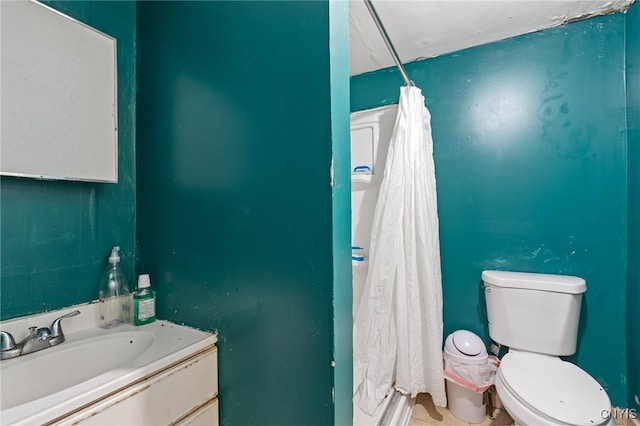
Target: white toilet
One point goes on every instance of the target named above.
(536, 316)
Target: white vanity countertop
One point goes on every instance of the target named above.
(170, 343)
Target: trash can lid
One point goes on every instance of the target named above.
(465, 346)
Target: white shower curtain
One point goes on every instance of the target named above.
(398, 326)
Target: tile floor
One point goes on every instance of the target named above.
(623, 418)
(425, 413)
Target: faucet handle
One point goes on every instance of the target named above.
(7, 341)
(57, 336)
(8, 347)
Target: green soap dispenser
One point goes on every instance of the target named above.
(144, 302)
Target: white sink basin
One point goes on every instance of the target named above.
(68, 364)
(93, 362)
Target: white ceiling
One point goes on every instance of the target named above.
(427, 28)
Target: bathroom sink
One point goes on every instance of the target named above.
(50, 371)
(93, 363)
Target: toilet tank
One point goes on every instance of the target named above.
(534, 312)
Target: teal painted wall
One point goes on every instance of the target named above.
(56, 236)
(234, 196)
(531, 161)
(633, 125)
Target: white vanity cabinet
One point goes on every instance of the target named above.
(183, 393)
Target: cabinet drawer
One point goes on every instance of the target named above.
(207, 415)
(162, 398)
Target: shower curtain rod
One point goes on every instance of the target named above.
(387, 41)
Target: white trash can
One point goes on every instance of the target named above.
(466, 348)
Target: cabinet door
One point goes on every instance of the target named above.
(161, 399)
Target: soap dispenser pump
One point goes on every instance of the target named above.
(114, 296)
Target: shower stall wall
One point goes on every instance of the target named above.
(371, 132)
(370, 135)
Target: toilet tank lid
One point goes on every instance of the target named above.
(527, 280)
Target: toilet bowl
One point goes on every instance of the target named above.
(545, 390)
(537, 316)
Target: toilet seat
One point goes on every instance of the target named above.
(554, 388)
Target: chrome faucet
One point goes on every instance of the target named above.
(38, 339)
